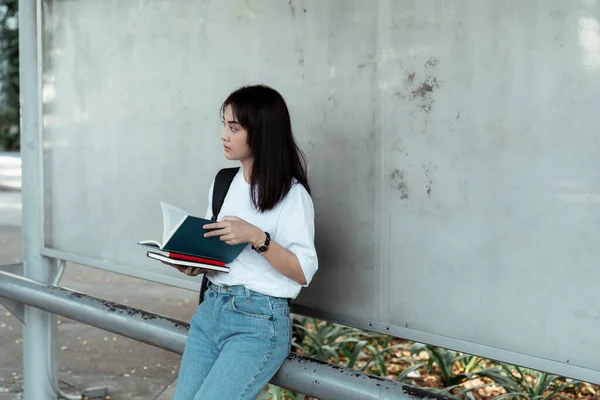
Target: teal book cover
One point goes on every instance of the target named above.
(184, 234)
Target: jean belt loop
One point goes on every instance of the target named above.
(248, 295)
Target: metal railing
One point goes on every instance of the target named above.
(298, 373)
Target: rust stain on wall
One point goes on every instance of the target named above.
(424, 93)
(397, 182)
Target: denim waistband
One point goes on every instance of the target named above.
(240, 290)
(236, 290)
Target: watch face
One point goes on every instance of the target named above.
(262, 249)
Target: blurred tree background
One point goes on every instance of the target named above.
(9, 76)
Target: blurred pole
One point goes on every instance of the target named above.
(40, 328)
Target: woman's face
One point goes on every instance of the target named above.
(234, 137)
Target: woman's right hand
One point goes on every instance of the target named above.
(190, 271)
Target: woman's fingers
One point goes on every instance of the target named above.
(194, 271)
(216, 225)
(224, 223)
(217, 232)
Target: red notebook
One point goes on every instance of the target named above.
(183, 263)
(185, 257)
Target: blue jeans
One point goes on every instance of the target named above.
(237, 341)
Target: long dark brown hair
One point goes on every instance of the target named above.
(262, 112)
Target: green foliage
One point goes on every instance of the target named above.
(9, 75)
(375, 353)
(522, 383)
(323, 341)
(345, 346)
(442, 363)
(277, 393)
(329, 342)
(379, 359)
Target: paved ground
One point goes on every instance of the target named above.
(89, 356)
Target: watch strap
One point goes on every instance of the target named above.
(265, 243)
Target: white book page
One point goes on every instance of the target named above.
(172, 218)
(151, 243)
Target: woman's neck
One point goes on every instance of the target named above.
(247, 169)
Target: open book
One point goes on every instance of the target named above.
(183, 241)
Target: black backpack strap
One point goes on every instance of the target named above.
(222, 183)
(221, 187)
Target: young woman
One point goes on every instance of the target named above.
(241, 333)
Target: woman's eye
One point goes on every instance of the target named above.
(233, 129)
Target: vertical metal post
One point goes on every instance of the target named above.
(39, 330)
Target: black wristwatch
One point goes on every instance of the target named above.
(262, 249)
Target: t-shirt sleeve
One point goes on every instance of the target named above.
(296, 229)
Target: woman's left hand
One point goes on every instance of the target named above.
(234, 230)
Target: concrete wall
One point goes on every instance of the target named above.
(453, 151)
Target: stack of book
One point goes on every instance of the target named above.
(186, 260)
(184, 244)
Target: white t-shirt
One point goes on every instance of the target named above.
(290, 224)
